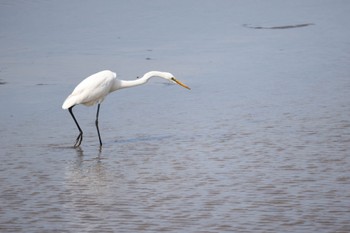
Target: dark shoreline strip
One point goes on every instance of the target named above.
(279, 27)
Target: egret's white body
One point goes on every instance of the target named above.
(96, 87)
(93, 89)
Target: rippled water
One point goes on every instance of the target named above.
(260, 144)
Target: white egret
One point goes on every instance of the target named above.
(93, 89)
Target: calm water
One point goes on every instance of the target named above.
(260, 144)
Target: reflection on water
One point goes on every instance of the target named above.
(255, 176)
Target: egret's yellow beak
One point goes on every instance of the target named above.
(180, 83)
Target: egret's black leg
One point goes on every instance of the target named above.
(96, 122)
(80, 136)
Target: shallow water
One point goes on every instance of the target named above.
(260, 144)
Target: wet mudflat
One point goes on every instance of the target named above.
(260, 144)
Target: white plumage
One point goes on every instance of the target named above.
(92, 90)
(96, 87)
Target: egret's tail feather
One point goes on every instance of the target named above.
(69, 102)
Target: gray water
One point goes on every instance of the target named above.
(260, 144)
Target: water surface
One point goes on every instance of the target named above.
(260, 143)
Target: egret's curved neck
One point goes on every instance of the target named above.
(140, 81)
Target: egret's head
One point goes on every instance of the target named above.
(171, 78)
(165, 75)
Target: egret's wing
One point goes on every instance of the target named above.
(91, 90)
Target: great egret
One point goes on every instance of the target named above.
(93, 89)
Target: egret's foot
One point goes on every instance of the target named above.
(79, 140)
